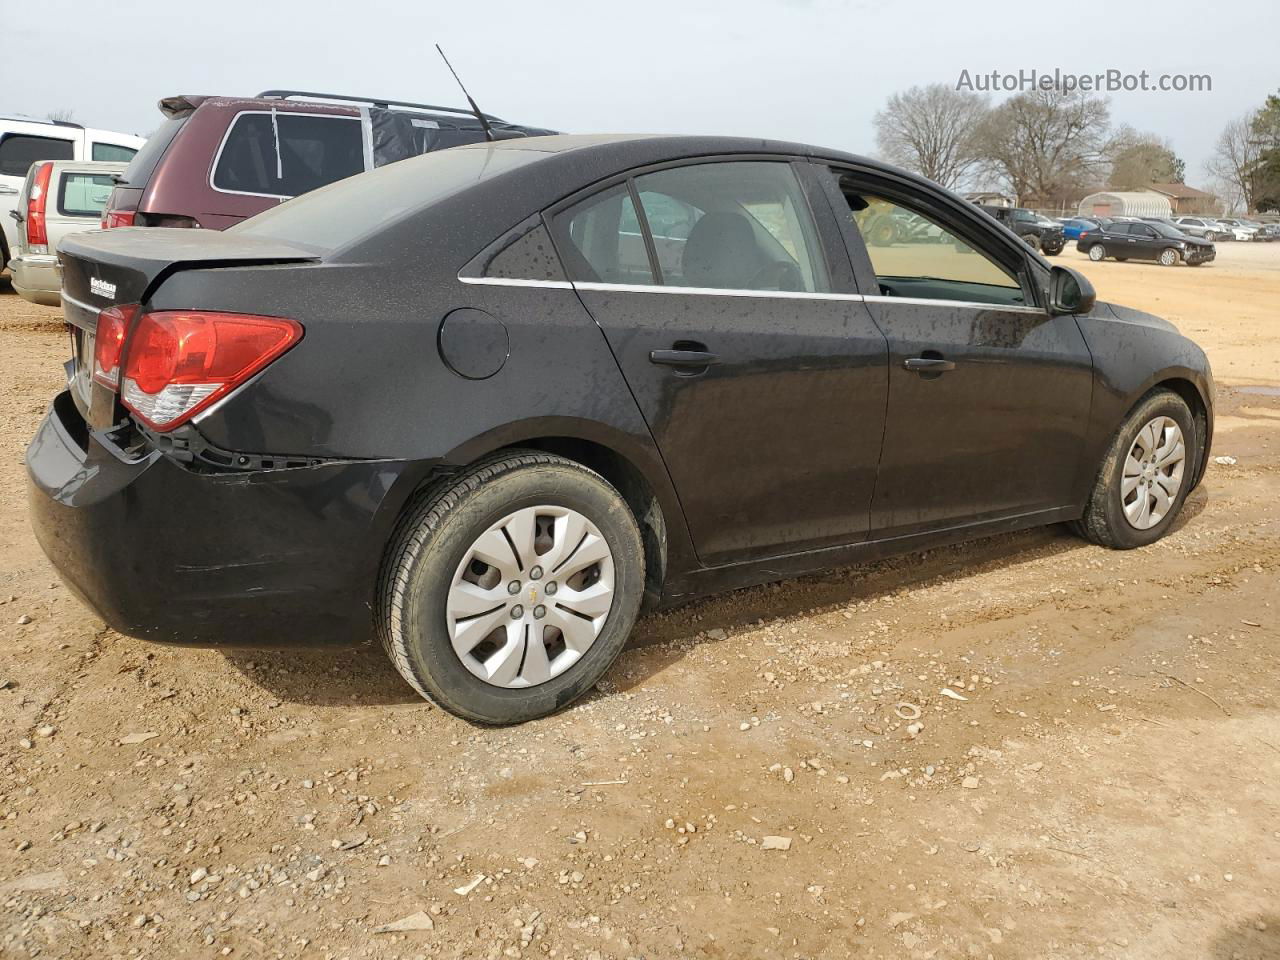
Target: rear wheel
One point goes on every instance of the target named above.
(1097, 252)
(508, 594)
(1145, 477)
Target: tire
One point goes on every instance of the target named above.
(1169, 257)
(1031, 240)
(1097, 252)
(1105, 521)
(435, 549)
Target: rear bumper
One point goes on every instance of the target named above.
(169, 553)
(35, 278)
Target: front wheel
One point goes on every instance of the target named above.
(1145, 477)
(1097, 252)
(1168, 257)
(507, 594)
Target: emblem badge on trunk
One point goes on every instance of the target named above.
(102, 289)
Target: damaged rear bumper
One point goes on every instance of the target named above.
(166, 552)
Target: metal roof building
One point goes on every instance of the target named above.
(1121, 203)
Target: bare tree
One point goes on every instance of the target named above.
(1235, 159)
(1140, 159)
(1046, 145)
(60, 115)
(929, 130)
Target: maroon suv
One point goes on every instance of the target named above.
(217, 160)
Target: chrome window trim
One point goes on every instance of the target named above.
(226, 135)
(716, 291)
(515, 282)
(760, 294)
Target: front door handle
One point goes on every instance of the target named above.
(928, 364)
(686, 359)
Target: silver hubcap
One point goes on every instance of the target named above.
(1152, 473)
(1096, 252)
(530, 597)
(1168, 258)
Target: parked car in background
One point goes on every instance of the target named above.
(1240, 229)
(215, 161)
(1205, 228)
(24, 140)
(1072, 227)
(451, 401)
(59, 197)
(1139, 240)
(1040, 233)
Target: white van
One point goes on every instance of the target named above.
(24, 140)
(59, 197)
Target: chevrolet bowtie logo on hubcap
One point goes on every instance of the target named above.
(533, 594)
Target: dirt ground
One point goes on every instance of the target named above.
(1105, 783)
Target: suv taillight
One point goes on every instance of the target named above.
(37, 235)
(108, 343)
(179, 362)
(117, 218)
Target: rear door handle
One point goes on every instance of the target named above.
(683, 358)
(929, 364)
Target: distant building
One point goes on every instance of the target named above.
(1184, 200)
(992, 199)
(1126, 203)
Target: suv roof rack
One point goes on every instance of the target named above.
(375, 101)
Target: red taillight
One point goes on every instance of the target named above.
(108, 344)
(179, 362)
(37, 235)
(117, 218)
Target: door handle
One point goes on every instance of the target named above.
(687, 359)
(929, 364)
(5, 188)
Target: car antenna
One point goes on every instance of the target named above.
(484, 121)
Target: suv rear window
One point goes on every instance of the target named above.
(144, 161)
(18, 151)
(112, 152)
(288, 154)
(341, 213)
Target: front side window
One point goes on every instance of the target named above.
(288, 154)
(913, 254)
(112, 152)
(84, 194)
(18, 151)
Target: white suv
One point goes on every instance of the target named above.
(24, 140)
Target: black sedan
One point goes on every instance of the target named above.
(491, 402)
(1145, 240)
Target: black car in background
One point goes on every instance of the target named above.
(1145, 240)
(1039, 233)
(489, 401)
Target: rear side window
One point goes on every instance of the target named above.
(606, 242)
(288, 154)
(112, 152)
(18, 152)
(83, 194)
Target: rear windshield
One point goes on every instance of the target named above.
(287, 154)
(144, 161)
(337, 215)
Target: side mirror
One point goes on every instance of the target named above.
(1070, 292)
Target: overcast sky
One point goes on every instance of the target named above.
(808, 70)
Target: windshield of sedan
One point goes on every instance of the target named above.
(338, 214)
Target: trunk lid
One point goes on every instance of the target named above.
(123, 266)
